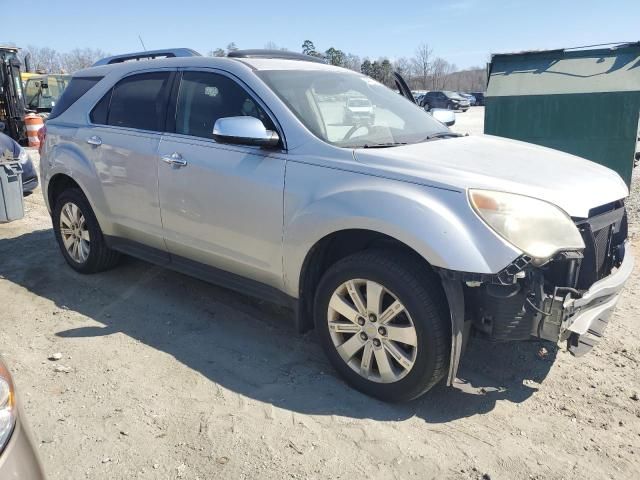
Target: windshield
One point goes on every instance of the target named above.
(324, 102)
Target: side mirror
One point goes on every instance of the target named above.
(448, 117)
(244, 131)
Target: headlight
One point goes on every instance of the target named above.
(7, 406)
(538, 228)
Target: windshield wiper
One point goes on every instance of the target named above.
(437, 135)
(383, 145)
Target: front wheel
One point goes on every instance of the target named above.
(383, 323)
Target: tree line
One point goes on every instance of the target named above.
(422, 71)
(48, 60)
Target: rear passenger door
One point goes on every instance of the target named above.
(125, 133)
(222, 206)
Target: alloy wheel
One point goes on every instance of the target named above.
(372, 331)
(74, 232)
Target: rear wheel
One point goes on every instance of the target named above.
(383, 324)
(79, 236)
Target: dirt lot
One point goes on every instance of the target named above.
(471, 121)
(169, 377)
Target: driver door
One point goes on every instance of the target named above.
(221, 204)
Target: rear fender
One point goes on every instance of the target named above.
(67, 159)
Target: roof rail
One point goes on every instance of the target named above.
(283, 54)
(148, 55)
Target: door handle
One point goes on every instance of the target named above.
(175, 160)
(94, 140)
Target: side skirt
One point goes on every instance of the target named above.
(203, 272)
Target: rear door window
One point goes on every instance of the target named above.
(76, 89)
(138, 101)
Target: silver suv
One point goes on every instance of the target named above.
(391, 236)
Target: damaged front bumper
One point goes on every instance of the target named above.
(567, 299)
(513, 306)
(581, 319)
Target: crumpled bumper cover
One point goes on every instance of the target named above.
(587, 316)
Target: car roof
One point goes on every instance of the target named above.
(211, 62)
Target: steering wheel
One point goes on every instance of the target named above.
(354, 129)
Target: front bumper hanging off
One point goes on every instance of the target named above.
(513, 306)
(584, 319)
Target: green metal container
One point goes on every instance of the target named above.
(581, 101)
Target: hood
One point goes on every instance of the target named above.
(574, 184)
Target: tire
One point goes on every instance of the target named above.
(92, 254)
(419, 291)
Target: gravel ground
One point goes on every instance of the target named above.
(163, 376)
(471, 121)
(633, 204)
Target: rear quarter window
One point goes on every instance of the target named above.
(100, 112)
(76, 89)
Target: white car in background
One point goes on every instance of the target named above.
(359, 110)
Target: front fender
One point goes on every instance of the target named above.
(437, 223)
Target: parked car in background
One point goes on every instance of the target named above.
(359, 110)
(18, 457)
(444, 99)
(393, 239)
(418, 95)
(479, 98)
(10, 148)
(468, 96)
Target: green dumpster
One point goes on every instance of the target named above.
(582, 101)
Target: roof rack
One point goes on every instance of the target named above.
(282, 54)
(148, 55)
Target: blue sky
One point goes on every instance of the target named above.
(464, 32)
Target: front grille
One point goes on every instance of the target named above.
(601, 240)
(604, 234)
